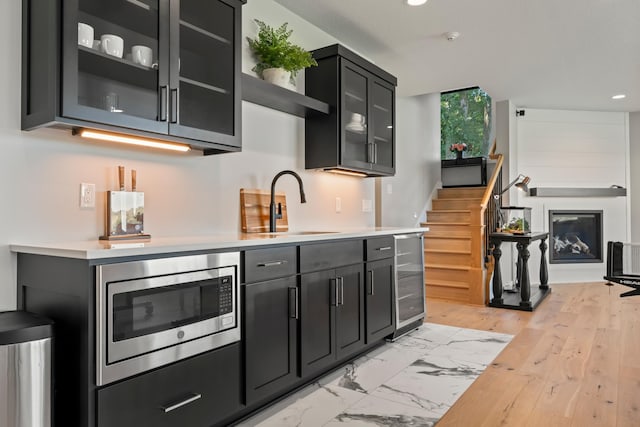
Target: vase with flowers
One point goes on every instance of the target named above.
(458, 148)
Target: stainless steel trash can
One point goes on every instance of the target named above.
(25, 370)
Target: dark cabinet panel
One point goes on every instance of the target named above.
(270, 263)
(322, 256)
(271, 336)
(380, 299)
(359, 133)
(332, 316)
(350, 310)
(200, 391)
(318, 299)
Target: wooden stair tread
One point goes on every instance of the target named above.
(446, 283)
(448, 267)
(435, 235)
(450, 210)
(448, 251)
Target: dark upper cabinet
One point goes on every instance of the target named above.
(187, 89)
(358, 135)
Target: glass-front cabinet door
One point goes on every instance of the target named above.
(356, 150)
(382, 125)
(115, 63)
(203, 90)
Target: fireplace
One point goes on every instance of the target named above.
(575, 236)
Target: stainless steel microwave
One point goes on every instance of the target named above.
(154, 312)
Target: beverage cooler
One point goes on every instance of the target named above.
(409, 282)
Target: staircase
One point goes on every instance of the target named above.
(454, 246)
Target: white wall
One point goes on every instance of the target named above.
(40, 171)
(403, 199)
(634, 160)
(574, 149)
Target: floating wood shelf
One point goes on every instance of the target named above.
(577, 192)
(260, 92)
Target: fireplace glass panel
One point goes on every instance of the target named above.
(576, 236)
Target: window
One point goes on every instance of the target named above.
(465, 117)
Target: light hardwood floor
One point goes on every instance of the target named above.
(575, 361)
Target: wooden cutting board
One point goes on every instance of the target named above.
(254, 211)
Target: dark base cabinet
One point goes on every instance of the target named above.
(380, 299)
(271, 337)
(201, 391)
(332, 317)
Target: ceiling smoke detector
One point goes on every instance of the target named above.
(451, 35)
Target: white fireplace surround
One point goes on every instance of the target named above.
(574, 149)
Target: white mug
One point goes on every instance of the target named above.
(85, 35)
(111, 45)
(142, 55)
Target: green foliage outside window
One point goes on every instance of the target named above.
(465, 117)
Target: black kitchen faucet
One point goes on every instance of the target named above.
(277, 213)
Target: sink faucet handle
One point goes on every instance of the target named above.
(279, 213)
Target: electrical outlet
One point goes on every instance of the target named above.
(338, 205)
(87, 195)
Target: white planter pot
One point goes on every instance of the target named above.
(277, 76)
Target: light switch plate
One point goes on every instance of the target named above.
(367, 205)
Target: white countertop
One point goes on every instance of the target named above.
(99, 249)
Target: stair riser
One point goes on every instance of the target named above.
(454, 204)
(455, 193)
(447, 258)
(449, 230)
(445, 274)
(454, 294)
(445, 243)
(442, 216)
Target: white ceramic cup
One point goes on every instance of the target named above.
(111, 45)
(85, 34)
(142, 55)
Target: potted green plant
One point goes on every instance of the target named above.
(279, 60)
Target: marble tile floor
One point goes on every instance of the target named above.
(410, 382)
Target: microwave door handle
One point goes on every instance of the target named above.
(171, 407)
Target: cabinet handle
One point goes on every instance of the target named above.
(369, 152)
(334, 292)
(384, 248)
(164, 104)
(294, 308)
(371, 283)
(375, 152)
(175, 111)
(192, 398)
(271, 263)
(341, 281)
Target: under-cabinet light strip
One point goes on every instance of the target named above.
(105, 136)
(343, 172)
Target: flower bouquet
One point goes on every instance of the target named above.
(458, 148)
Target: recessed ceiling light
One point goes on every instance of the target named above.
(416, 2)
(621, 96)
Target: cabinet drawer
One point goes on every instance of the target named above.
(271, 263)
(379, 248)
(322, 256)
(169, 396)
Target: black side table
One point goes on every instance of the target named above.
(525, 301)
